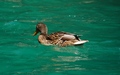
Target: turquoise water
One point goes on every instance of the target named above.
(96, 20)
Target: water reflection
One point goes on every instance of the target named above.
(72, 50)
(88, 1)
(61, 67)
(68, 58)
(14, 0)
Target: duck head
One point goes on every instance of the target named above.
(41, 27)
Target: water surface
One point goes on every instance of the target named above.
(96, 20)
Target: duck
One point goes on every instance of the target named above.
(59, 38)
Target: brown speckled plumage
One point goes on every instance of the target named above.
(57, 38)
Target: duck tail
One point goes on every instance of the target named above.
(77, 37)
(80, 42)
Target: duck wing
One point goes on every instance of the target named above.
(65, 39)
(63, 36)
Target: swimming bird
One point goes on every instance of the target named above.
(57, 38)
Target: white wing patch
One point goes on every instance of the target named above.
(68, 37)
(80, 42)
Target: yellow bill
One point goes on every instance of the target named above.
(35, 33)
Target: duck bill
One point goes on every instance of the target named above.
(35, 33)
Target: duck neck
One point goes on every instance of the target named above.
(44, 31)
(44, 34)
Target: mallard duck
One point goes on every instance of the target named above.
(57, 38)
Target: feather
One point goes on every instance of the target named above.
(80, 42)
